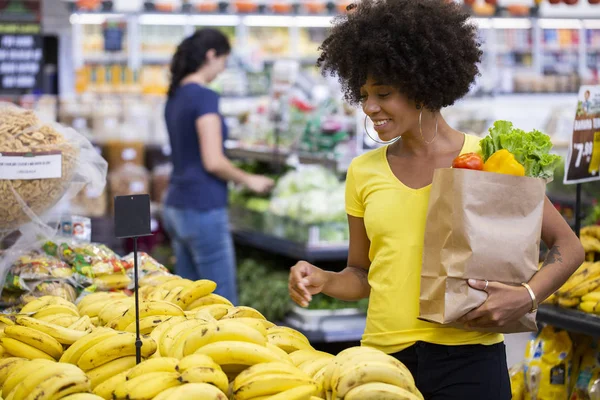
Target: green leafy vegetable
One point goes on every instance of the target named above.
(531, 149)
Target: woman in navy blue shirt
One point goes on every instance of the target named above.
(195, 212)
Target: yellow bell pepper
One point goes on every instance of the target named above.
(504, 162)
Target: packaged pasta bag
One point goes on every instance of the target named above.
(146, 265)
(548, 368)
(587, 385)
(92, 262)
(51, 288)
(34, 267)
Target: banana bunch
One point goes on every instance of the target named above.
(590, 303)
(590, 239)
(363, 373)
(55, 310)
(193, 377)
(116, 281)
(42, 379)
(31, 338)
(267, 380)
(585, 280)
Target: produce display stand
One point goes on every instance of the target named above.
(277, 235)
(570, 320)
(328, 326)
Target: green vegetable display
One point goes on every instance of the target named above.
(531, 149)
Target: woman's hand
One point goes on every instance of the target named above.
(259, 184)
(504, 304)
(305, 280)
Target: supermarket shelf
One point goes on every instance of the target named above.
(325, 326)
(571, 320)
(288, 248)
(265, 154)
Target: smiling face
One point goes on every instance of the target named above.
(391, 112)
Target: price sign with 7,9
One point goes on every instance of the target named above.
(583, 163)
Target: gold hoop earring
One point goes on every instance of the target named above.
(377, 140)
(421, 129)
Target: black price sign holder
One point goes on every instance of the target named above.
(583, 163)
(132, 220)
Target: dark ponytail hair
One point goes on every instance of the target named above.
(191, 54)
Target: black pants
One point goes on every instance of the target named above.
(473, 372)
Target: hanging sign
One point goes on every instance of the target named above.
(583, 163)
(21, 57)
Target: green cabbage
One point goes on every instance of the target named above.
(531, 149)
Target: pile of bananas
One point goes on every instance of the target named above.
(583, 287)
(195, 345)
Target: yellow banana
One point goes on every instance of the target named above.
(569, 302)
(74, 352)
(82, 396)
(35, 338)
(592, 296)
(174, 293)
(217, 311)
(288, 342)
(60, 386)
(147, 309)
(113, 309)
(174, 283)
(40, 375)
(82, 324)
(278, 351)
(298, 393)
(7, 319)
(120, 345)
(43, 301)
(378, 391)
(162, 327)
(300, 356)
(243, 312)
(193, 292)
(586, 272)
(367, 372)
(207, 300)
(113, 281)
(311, 367)
(62, 334)
(194, 391)
(290, 331)
(165, 364)
(147, 386)
(61, 320)
(7, 365)
(588, 306)
(105, 371)
(106, 388)
(92, 304)
(584, 288)
(17, 348)
(241, 353)
(213, 376)
(25, 369)
(222, 331)
(168, 337)
(194, 361)
(271, 368)
(270, 384)
(252, 323)
(54, 309)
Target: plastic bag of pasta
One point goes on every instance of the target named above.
(40, 163)
(33, 267)
(89, 261)
(51, 288)
(146, 265)
(587, 386)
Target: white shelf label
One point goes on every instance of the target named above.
(26, 166)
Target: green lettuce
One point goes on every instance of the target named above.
(531, 149)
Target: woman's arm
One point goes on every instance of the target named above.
(506, 303)
(350, 284)
(214, 160)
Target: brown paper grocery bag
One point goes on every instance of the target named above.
(480, 225)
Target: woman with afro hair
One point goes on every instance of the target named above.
(403, 61)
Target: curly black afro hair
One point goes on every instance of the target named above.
(427, 49)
